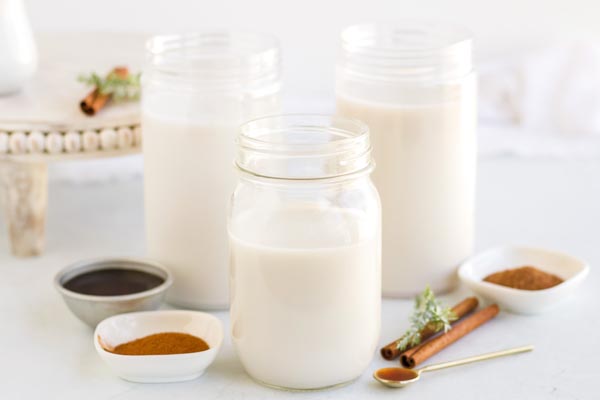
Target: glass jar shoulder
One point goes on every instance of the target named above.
(405, 94)
(206, 108)
(305, 215)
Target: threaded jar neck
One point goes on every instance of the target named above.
(303, 147)
(406, 51)
(220, 60)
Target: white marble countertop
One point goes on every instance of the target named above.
(46, 353)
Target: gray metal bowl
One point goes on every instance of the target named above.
(92, 309)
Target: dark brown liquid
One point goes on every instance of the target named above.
(396, 374)
(113, 282)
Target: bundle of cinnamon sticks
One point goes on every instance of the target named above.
(431, 343)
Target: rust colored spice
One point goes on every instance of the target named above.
(160, 344)
(525, 278)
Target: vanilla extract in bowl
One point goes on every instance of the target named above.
(99, 288)
(113, 282)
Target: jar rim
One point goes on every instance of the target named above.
(303, 146)
(361, 129)
(402, 35)
(254, 42)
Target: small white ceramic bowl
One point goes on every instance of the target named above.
(159, 368)
(572, 270)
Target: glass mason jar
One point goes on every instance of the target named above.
(197, 90)
(304, 231)
(413, 84)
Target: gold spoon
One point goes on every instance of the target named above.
(400, 377)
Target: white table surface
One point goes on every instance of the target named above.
(46, 353)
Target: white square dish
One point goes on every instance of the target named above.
(159, 368)
(572, 270)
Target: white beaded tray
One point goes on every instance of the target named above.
(43, 123)
(49, 104)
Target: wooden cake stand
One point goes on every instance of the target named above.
(43, 123)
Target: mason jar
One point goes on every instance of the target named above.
(414, 85)
(197, 90)
(304, 231)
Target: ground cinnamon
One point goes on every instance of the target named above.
(461, 309)
(422, 352)
(95, 101)
(160, 344)
(525, 278)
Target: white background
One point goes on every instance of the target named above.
(308, 29)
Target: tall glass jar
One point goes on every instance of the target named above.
(304, 231)
(413, 84)
(197, 90)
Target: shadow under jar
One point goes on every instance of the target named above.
(197, 90)
(413, 84)
(305, 245)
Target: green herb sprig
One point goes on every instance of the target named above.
(118, 87)
(428, 313)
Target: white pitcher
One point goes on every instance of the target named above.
(18, 53)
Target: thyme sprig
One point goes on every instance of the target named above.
(120, 88)
(428, 313)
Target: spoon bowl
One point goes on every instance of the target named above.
(401, 377)
(397, 377)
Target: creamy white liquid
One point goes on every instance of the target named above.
(425, 175)
(189, 178)
(305, 282)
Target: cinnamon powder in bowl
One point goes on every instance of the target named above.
(159, 346)
(162, 343)
(524, 278)
(523, 290)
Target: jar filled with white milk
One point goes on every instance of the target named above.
(197, 90)
(304, 231)
(413, 84)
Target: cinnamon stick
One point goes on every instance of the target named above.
(461, 309)
(95, 101)
(422, 352)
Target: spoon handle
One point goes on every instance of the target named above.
(481, 357)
